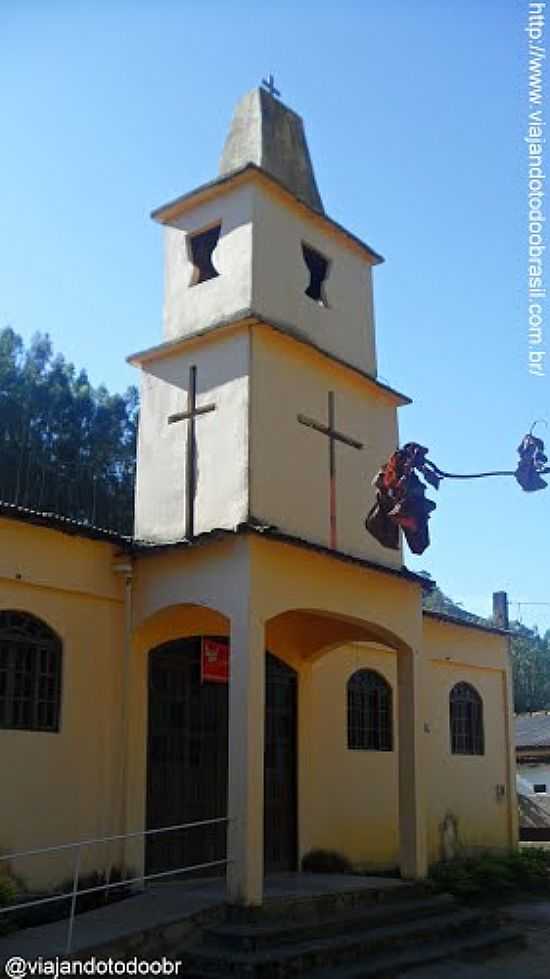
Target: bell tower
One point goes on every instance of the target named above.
(262, 404)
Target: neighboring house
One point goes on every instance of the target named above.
(533, 771)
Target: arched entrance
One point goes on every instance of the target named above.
(188, 754)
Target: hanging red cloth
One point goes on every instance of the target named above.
(401, 495)
(401, 500)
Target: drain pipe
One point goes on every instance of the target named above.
(124, 568)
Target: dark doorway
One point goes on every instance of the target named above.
(280, 796)
(187, 761)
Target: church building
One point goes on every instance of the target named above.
(252, 656)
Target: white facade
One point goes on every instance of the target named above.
(188, 307)
(262, 270)
(221, 440)
(534, 774)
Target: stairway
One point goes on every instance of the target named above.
(367, 935)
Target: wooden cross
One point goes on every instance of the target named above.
(334, 436)
(189, 415)
(269, 84)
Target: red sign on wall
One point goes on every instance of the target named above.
(214, 661)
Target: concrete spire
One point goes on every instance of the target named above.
(267, 133)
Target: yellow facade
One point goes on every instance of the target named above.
(63, 786)
(325, 617)
(467, 787)
(367, 826)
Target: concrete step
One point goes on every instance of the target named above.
(253, 937)
(336, 950)
(315, 907)
(392, 965)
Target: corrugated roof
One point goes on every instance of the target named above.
(168, 212)
(468, 623)
(533, 730)
(534, 811)
(68, 525)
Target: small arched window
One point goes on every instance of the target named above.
(30, 673)
(466, 720)
(369, 712)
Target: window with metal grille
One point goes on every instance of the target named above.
(466, 720)
(30, 673)
(369, 712)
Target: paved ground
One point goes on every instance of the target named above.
(533, 962)
(165, 903)
(161, 904)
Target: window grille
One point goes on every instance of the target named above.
(466, 720)
(30, 673)
(369, 712)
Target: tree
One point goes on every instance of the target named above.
(65, 447)
(530, 653)
(531, 664)
(435, 600)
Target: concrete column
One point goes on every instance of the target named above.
(412, 783)
(245, 875)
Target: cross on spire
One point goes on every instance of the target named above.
(189, 415)
(269, 84)
(333, 436)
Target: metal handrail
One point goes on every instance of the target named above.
(108, 839)
(74, 893)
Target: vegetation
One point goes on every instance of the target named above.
(495, 875)
(530, 654)
(531, 662)
(436, 601)
(65, 446)
(28, 917)
(8, 891)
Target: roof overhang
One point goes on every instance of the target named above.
(247, 318)
(136, 547)
(251, 173)
(464, 623)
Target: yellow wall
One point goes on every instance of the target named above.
(58, 787)
(464, 786)
(351, 800)
(319, 615)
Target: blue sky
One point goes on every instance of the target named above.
(415, 115)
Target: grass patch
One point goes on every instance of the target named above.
(8, 893)
(29, 916)
(494, 875)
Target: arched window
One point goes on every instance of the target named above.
(466, 720)
(369, 712)
(30, 673)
